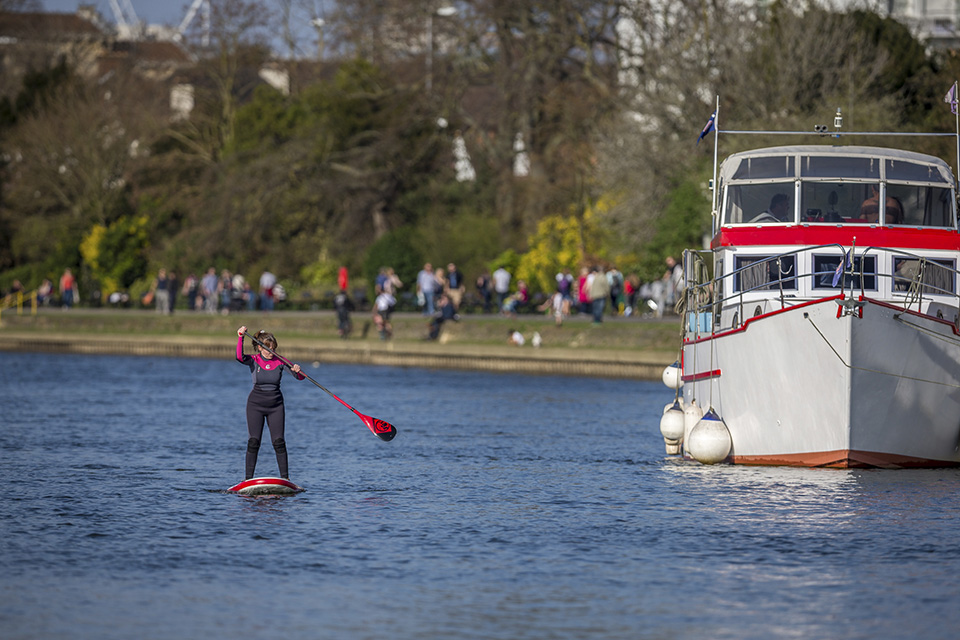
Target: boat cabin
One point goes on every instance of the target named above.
(788, 216)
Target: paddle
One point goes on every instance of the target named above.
(380, 428)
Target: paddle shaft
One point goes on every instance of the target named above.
(380, 428)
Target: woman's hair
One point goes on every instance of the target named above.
(266, 338)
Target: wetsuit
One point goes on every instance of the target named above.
(265, 402)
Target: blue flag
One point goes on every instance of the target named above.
(951, 98)
(844, 264)
(707, 128)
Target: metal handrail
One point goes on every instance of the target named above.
(16, 300)
(706, 291)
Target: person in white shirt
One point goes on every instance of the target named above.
(267, 282)
(501, 285)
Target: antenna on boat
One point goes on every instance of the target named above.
(713, 186)
(952, 94)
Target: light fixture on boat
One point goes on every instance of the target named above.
(671, 376)
(671, 427)
(709, 441)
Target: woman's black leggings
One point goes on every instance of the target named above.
(265, 406)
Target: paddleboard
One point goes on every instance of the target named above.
(266, 487)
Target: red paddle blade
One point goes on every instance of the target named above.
(381, 428)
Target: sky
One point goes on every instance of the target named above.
(168, 12)
(172, 12)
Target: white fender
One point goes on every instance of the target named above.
(710, 440)
(672, 376)
(671, 424)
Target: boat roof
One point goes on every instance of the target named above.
(731, 165)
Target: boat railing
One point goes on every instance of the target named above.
(707, 298)
(925, 276)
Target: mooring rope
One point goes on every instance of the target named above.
(868, 370)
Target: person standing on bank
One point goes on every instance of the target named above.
(161, 292)
(265, 401)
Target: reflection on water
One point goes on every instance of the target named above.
(508, 507)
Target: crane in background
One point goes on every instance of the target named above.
(128, 24)
(196, 6)
(130, 27)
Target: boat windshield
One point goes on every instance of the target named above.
(862, 203)
(798, 188)
(760, 203)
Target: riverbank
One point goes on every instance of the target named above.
(618, 348)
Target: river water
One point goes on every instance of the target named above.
(507, 507)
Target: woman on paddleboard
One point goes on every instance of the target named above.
(265, 401)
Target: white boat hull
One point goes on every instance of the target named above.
(802, 386)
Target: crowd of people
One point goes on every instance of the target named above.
(212, 293)
(46, 294)
(596, 291)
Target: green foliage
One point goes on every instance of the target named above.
(399, 249)
(37, 88)
(357, 103)
(269, 120)
(682, 225)
(908, 64)
(557, 245)
(47, 244)
(317, 179)
(452, 229)
(322, 273)
(508, 259)
(114, 253)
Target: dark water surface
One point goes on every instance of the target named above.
(508, 507)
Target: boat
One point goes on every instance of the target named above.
(822, 325)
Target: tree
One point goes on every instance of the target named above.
(238, 32)
(69, 167)
(399, 250)
(555, 85)
(544, 70)
(773, 69)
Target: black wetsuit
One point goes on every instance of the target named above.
(265, 402)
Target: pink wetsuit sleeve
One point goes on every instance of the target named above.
(240, 348)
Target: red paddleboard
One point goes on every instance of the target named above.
(266, 487)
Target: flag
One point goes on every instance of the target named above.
(707, 128)
(844, 264)
(951, 98)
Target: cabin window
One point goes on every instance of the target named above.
(825, 268)
(903, 170)
(762, 273)
(938, 276)
(832, 202)
(764, 168)
(760, 203)
(922, 206)
(837, 167)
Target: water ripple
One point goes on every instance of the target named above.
(478, 521)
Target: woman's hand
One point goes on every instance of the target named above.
(295, 368)
(242, 330)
